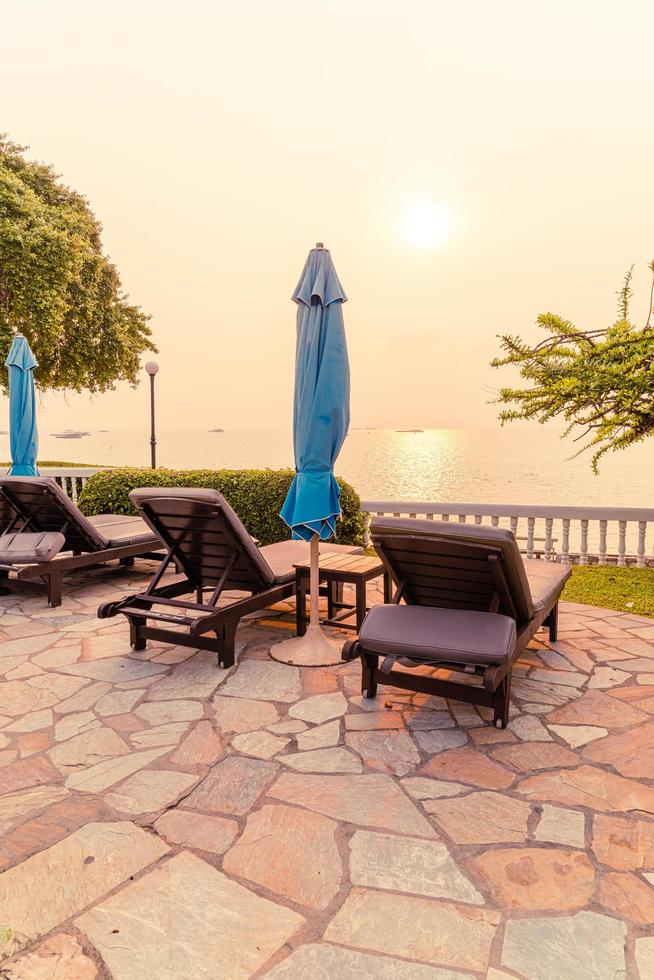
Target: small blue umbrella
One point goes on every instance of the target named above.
(321, 413)
(23, 435)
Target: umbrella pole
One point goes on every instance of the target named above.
(314, 579)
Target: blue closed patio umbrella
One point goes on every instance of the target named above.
(23, 435)
(321, 417)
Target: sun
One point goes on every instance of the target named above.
(425, 225)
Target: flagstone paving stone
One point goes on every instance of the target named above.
(196, 677)
(591, 787)
(84, 699)
(585, 946)
(75, 724)
(291, 852)
(644, 954)
(576, 735)
(558, 825)
(118, 702)
(631, 753)
(597, 708)
(263, 681)
(385, 751)
(371, 800)
(168, 734)
(337, 759)
(105, 774)
(481, 818)
(149, 790)
(88, 749)
(326, 962)
(27, 773)
(319, 708)
(48, 888)
(115, 670)
(212, 926)
(262, 745)
(532, 878)
(33, 721)
(19, 806)
(243, 714)
(60, 957)
(422, 788)
(198, 830)
(468, 765)
(201, 747)
(416, 928)
(408, 864)
(440, 741)
(56, 822)
(623, 843)
(624, 894)
(320, 737)
(529, 729)
(536, 755)
(233, 786)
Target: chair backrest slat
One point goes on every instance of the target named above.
(47, 508)
(450, 565)
(205, 535)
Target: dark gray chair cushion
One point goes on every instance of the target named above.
(29, 547)
(120, 530)
(431, 634)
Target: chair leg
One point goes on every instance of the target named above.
(502, 702)
(227, 638)
(4, 578)
(553, 622)
(369, 664)
(53, 587)
(136, 641)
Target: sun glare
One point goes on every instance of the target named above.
(425, 225)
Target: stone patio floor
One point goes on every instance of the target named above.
(161, 818)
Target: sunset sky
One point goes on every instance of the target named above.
(468, 164)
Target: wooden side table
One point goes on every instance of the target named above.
(334, 570)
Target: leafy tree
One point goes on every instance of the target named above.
(56, 285)
(601, 382)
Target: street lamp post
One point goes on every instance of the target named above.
(152, 367)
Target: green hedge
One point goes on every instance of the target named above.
(256, 496)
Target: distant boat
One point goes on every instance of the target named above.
(409, 430)
(216, 430)
(70, 434)
(103, 430)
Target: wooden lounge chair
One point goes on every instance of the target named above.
(215, 554)
(38, 504)
(471, 604)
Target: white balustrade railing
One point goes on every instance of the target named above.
(70, 479)
(584, 535)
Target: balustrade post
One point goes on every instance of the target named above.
(622, 543)
(531, 523)
(642, 529)
(602, 542)
(565, 540)
(548, 538)
(583, 548)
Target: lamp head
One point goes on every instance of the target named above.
(151, 367)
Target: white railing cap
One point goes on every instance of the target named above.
(557, 511)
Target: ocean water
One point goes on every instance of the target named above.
(526, 464)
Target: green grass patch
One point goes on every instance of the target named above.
(629, 590)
